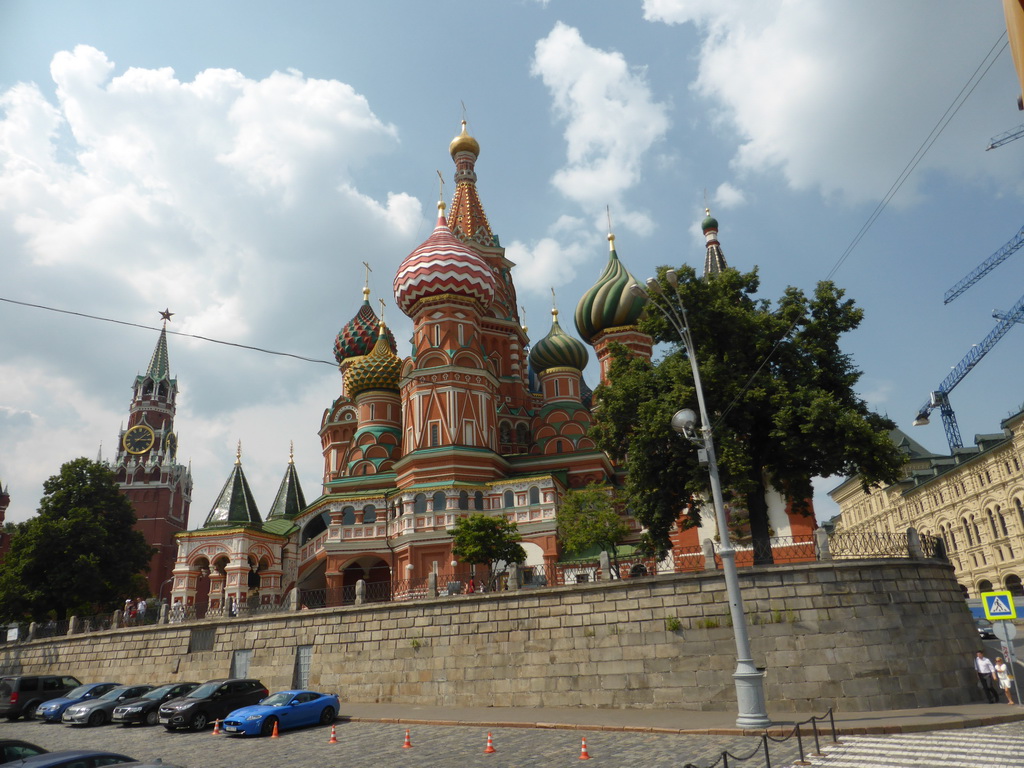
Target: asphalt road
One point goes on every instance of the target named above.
(380, 745)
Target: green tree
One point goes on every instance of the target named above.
(79, 554)
(591, 517)
(490, 541)
(781, 399)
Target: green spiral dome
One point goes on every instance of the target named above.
(558, 349)
(608, 304)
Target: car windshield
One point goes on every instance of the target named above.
(277, 700)
(158, 693)
(204, 691)
(983, 623)
(79, 692)
(113, 693)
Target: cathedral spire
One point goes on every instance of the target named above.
(235, 504)
(159, 364)
(290, 499)
(714, 261)
(467, 218)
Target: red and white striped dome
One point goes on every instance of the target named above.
(443, 265)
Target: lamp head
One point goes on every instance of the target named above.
(654, 286)
(672, 278)
(684, 421)
(921, 420)
(636, 290)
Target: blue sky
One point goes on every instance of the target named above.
(236, 162)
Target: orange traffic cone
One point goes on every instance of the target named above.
(334, 736)
(584, 755)
(216, 727)
(274, 734)
(490, 745)
(408, 743)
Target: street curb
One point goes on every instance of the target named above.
(778, 729)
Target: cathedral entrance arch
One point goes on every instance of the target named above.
(374, 571)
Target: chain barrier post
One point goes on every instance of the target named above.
(832, 720)
(817, 745)
(800, 747)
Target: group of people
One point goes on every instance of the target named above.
(134, 610)
(991, 674)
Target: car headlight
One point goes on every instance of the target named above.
(254, 717)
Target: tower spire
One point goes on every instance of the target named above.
(714, 260)
(159, 364)
(467, 218)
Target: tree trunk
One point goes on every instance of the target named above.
(757, 506)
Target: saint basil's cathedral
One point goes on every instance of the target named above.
(473, 420)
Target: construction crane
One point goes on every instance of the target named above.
(940, 397)
(1005, 138)
(986, 266)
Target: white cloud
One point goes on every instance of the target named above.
(728, 196)
(235, 202)
(612, 121)
(839, 96)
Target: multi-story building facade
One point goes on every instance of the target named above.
(973, 500)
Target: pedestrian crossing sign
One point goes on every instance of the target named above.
(998, 605)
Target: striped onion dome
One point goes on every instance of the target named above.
(358, 335)
(443, 266)
(558, 350)
(381, 369)
(608, 304)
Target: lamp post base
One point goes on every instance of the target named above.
(750, 699)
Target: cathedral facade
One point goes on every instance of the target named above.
(473, 419)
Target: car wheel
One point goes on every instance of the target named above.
(199, 721)
(268, 726)
(152, 717)
(327, 716)
(97, 718)
(29, 712)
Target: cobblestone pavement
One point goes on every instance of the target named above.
(992, 746)
(376, 744)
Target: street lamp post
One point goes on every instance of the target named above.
(748, 678)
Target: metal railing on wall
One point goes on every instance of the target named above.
(784, 550)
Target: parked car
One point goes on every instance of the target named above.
(985, 630)
(16, 749)
(22, 694)
(98, 711)
(210, 701)
(52, 710)
(146, 709)
(72, 758)
(288, 709)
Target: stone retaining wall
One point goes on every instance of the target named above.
(880, 634)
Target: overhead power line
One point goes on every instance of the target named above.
(175, 333)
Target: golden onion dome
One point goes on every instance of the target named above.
(464, 143)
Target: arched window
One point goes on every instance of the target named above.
(369, 514)
(992, 524)
(463, 500)
(348, 516)
(984, 585)
(522, 434)
(952, 538)
(1002, 522)
(534, 494)
(315, 527)
(478, 501)
(967, 532)
(1014, 586)
(438, 502)
(977, 531)
(510, 499)
(419, 504)
(506, 432)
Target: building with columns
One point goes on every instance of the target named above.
(972, 499)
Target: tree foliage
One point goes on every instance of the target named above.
(483, 540)
(779, 390)
(79, 554)
(591, 517)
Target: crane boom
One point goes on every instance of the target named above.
(940, 397)
(1005, 138)
(986, 266)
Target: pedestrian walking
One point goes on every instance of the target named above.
(140, 609)
(986, 676)
(1004, 678)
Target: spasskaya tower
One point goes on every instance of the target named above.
(146, 465)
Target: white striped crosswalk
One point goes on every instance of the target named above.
(995, 746)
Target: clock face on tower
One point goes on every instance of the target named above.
(138, 439)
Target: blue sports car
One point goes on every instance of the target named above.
(289, 709)
(51, 710)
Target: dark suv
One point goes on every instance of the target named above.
(212, 700)
(21, 694)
